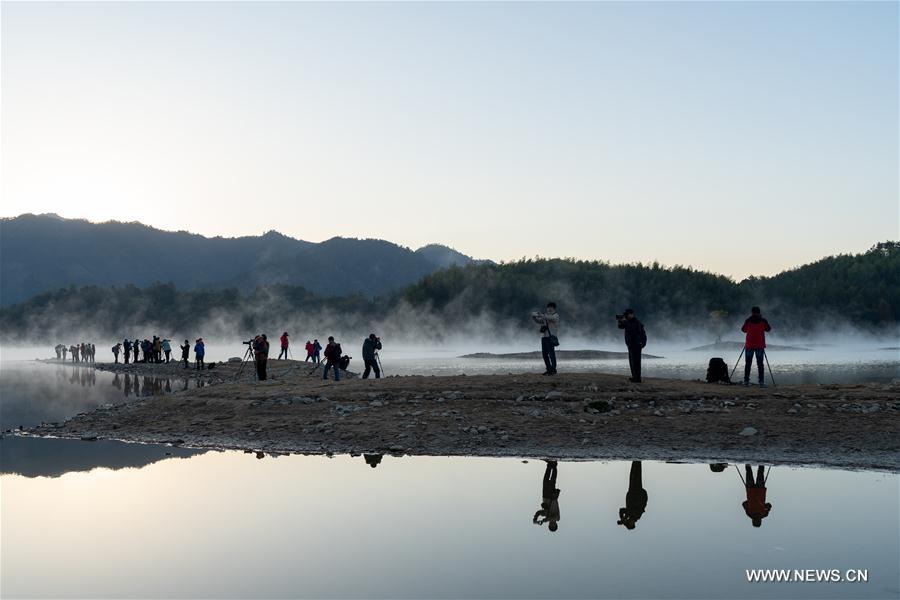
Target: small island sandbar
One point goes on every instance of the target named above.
(574, 415)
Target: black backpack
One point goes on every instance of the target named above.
(344, 362)
(717, 372)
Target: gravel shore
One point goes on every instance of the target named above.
(575, 416)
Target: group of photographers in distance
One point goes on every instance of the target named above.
(335, 359)
(755, 328)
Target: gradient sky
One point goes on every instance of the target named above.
(742, 138)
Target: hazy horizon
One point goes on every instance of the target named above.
(738, 138)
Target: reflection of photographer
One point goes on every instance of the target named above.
(260, 347)
(635, 340)
(549, 322)
(370, 357)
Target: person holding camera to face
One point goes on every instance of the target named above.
(549, 322)
(635, 340)
(370, 347)
(261, 355)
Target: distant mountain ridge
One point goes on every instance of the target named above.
(39, 253)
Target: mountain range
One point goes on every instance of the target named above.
(39, 253)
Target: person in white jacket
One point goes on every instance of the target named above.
(549, 322)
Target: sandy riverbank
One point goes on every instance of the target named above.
(572, 415)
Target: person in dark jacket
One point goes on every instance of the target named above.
(126, 349)
(369, 348)
(185, 353)
(332, 359)
(199, 353)
(635, 498)
(549, 322)
(317, 349)
(115, 351)
(755, 344)
(635, 340)
(261, 355)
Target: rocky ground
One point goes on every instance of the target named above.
(569, 416)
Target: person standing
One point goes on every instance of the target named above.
(126, 350)
(549, 322)
(199, 353)
(635, 340)
(185, 353)
(167, 349)
(755, 505)
(284, 345)
(369, 353)
(157, 349)
(310, 350)
(333, 353)
(755, 326)
(64, 350)
(261, 355)
(317, 349)
(115, 351)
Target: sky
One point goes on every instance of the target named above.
(740, 138)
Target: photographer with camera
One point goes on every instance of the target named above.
(549, 322)
(333, 353)
(635, 340)
(755, 326)
(369, 353)
(261, 355)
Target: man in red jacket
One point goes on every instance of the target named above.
(284, 346)
(755, 327)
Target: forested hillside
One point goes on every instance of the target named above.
(861, 290)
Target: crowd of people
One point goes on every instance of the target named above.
(335, 359)
(77, 353)
(159, 350)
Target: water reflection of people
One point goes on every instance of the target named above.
(755, 505)
(635, 498)
(549, 511)
(373, 460)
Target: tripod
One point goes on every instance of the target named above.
(743, 354)
(380, 368)
(247, 356)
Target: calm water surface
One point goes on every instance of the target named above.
(106, 519)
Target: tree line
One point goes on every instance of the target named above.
(862, 290)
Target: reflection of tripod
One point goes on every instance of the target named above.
(744, 354)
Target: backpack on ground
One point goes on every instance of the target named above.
(344, 362)
(717, 372)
